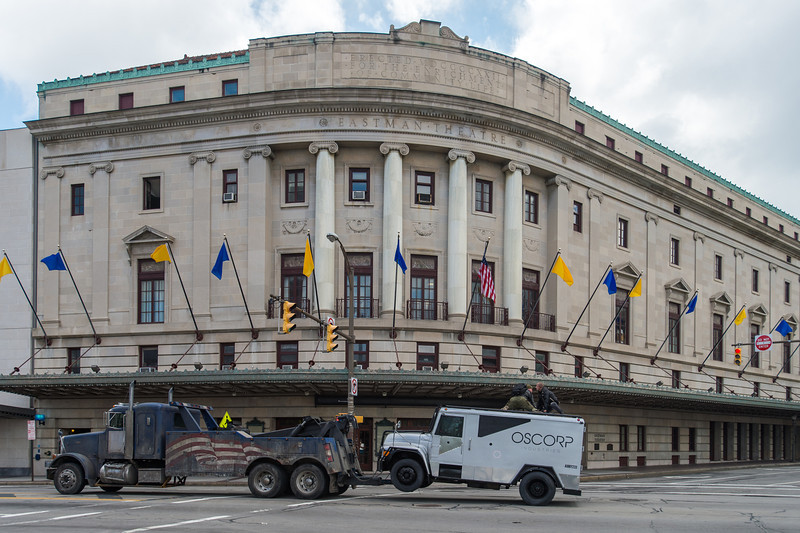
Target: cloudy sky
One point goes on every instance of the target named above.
(714, 80)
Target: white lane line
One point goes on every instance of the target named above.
(75, 515)
(201, 499)
(322, 502)
(50, 519)
(177, 524)
(660, 493)
(141, 507)
(22, 514)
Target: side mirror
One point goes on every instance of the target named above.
(397, 425)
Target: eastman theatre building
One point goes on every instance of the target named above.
(411, 137)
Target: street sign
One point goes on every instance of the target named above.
(763, 343)
(354, 386)
(31, 430)
(331, 321)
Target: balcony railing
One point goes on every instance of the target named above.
(418, 309)
(276, 309)
(363, 308)
(489, 314)
(542, 321)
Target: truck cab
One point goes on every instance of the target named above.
(490, 448)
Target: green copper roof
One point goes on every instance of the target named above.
(676, 156)
(181, 65)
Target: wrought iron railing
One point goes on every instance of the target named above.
(362, 307)
(419, 309)
(489, 314)
(541, 321)
(275, 310)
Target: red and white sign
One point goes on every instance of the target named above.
(354, 386)
(331, 321)
(31, 429)
(763, 343)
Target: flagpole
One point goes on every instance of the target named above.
(538, 297)
(751, 356)
(393, 334)
(96, 337)
(627, 298)
(675, 325)
(47, 340)
(788, 361)
(253, 332)
(472, 297)
(316, 291)
(699, 368)
(602, 279)
(198, 335)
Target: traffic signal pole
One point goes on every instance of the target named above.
(309, 315)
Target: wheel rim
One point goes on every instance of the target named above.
(537, 489)
(266, 482)
(406, 475)
(67, 479)
(307, 482)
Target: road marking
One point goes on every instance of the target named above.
(690, 493)
(201, 499)
(176, 524)
(75, 515)
(321, 502)
(21, 514)
(51, 519)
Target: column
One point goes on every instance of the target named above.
(512, 240)
(101, 174)
(652, 324)
(259, 235)
(457, 215)
(700, 321)
(50, 237)
(324, 223)
(558, 207)
(392, 226)
(196, 275)
(598, 256)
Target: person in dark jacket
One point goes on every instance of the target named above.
(547, 401)
(518, 402)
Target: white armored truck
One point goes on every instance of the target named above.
(490, 448)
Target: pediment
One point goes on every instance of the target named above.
(792, 320)
(144, 240)
(721, 298)
(678, 285)
(758, 310)
(627, 270)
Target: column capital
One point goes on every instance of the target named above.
(699, 237)
(738, 253)
(55, 171)
(455, 153)
(558, 181)
(385, 148)
(108, 167)
(210, 157)
(265, 151)
(594, 194)
(650, 217)
(513, 166)
(330, 146)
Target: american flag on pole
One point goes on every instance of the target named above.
(487, 283)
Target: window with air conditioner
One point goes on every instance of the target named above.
(230, 185)
(359, 185)
(424, 188)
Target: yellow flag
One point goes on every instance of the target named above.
(161, 254)
(308, 260)
(637, 289)
(740, 317)
(5, 268)
(560, 269)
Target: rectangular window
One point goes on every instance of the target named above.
(719, 385)
(641, 438)
(76, 201)
(427, 355)
(151, 193)
(483, 196)
(622, 233)
(76, 107)
(482, 308)
(530, 293)
(293, 282)
(748, 211)
(295, 186)
(787, 358)
(665, 170)
(754, 278)
(73, 360)
(623, 438)
(610, 143)
(287, 353)
(151, 292)
(674, 251)
(126, 101)
(230, 87)
(227, 355)
(787, 292)
(756, 389)
(692, 439)
(424, 188)
(422, 305)
(148, 357)
(755, 355)
(788, 394)
(780, 228)
(709, 192)
(676, 209)
(490, 359)
(579, 367)
(230, 185)
(580, 128)
(362, 293)
(359, 185)
(622, 323)
(687, 181)
(676, 439)
(676, 379)
(674, 341)
(765, 219)
(716, 336)
(730, 202)
(542, 362)
(577, 217)
(177, 94)
(717, 267)
(638, 157)
(531, 207)
(360, 355)
(624, 372)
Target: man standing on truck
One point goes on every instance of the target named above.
(547, 401)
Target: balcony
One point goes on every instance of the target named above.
(418, 309)
(542, 321)
(275, 309)
(363, 307)
(489, 314)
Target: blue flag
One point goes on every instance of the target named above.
(611, 282)
(54, 262)
(784, 328)
(692, 304)
(222, 256)
(398, 258)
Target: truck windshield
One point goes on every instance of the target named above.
(116, 420)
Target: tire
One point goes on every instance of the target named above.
(69, 478)
(309, 482)
(267, 480)
(537, 488)
(341, 489)
(111, 489)
(407, 475)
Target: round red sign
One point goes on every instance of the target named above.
(763, 343)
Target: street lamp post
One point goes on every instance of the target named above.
(350, 326)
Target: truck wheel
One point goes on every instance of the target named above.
(407, 475)
(69, 478)
(111, 489)
(308, 482)
(267, 480)
(537, 488)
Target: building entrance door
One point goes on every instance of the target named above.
(365, 440)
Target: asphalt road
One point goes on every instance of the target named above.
(757, 499)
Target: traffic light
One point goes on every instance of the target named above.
(288, 316)
(737, 356)
(331, 337)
